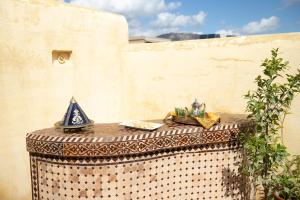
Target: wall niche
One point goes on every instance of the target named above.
(61, 58)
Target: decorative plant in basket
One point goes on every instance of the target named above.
(188, 116)
(267, 160)
(194, 116)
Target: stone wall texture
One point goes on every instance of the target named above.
(111, 79)
(35, 90)
(219, 72)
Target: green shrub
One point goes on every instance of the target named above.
(267, 106)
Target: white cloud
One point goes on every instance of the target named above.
(165, 23)
(255, 27)
(147, 17)
(134, 23)
(129, 8)
(136, 29)
(170, 20)
(200, 17)
(167, 19)
(224, 32)
(151, 32)
(262, 26)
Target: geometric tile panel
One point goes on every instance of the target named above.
(204, 172)
(111, 162)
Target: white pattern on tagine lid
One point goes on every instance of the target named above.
(75, 118)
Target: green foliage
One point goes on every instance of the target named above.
(268, 105)
(181, 112)
(287, 183)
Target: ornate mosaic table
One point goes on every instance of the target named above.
(113, 162)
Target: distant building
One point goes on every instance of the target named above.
(142, 39)
(189, 36)
(209, 36)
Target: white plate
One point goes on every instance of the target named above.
(141, 125)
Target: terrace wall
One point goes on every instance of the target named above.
(111, 79)
(160, 76)
(35, 89)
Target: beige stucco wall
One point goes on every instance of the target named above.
(219, 72)
(34, 93)
(111, 79)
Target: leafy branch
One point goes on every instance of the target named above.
(268, 106)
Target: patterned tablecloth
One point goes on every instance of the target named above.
(113, 162)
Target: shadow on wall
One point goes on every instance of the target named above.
(235, 183)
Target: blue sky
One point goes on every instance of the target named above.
(154, 17)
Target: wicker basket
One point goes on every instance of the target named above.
(185, 120)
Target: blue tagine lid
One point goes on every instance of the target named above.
(75, 118)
